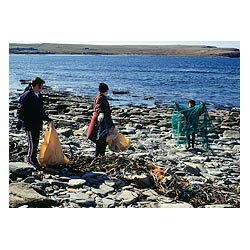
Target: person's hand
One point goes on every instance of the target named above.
(100, 117)
(51, 122)
(19, 124)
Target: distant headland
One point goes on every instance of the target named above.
(140, 50)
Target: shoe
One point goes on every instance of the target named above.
(36, 165)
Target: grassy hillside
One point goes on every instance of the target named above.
(86, 49)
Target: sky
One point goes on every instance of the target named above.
(222, 44)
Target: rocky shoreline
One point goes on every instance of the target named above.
(191, 178)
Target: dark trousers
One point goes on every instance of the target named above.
(100, 147)
(193, 139)
(33, 140)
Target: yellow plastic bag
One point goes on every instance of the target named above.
(51, 150)
(116, 141)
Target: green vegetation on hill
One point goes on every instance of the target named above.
(87, 49)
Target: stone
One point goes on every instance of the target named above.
(127, 197)
(78, 195)
(103, 189)
(192, 170)
(219, 206)
(109, 183)
(81, 131)
(95, 178)
(58, 183)
(76, 183)
(65, 131)
(142, 180)
(23, 194)
(108, 202)
(29, 179)
(88, 202)
(21, 169)
(174, 205)
(231, 134)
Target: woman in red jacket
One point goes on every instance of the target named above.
(101, 120)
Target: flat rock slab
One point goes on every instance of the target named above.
(23, 194)
(76, 183)
(21, 168)
(127, 197)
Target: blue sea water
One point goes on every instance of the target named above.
(149, 80)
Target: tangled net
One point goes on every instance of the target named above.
(195, 120)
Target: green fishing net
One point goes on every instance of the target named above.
(195, 121)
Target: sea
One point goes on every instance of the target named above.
(135, 80)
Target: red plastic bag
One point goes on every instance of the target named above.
(93, 127)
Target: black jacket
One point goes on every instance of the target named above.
(31, 111)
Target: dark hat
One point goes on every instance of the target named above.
(103, 87)
(37, 80)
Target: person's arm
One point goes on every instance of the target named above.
(21, 111)
(98, 107)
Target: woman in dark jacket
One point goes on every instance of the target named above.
(103, 113)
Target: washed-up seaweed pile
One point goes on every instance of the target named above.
(196, 194)
(165, 183)
(115, 167)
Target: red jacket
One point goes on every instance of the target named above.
(101, 105)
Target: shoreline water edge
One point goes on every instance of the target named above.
(190, 178)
